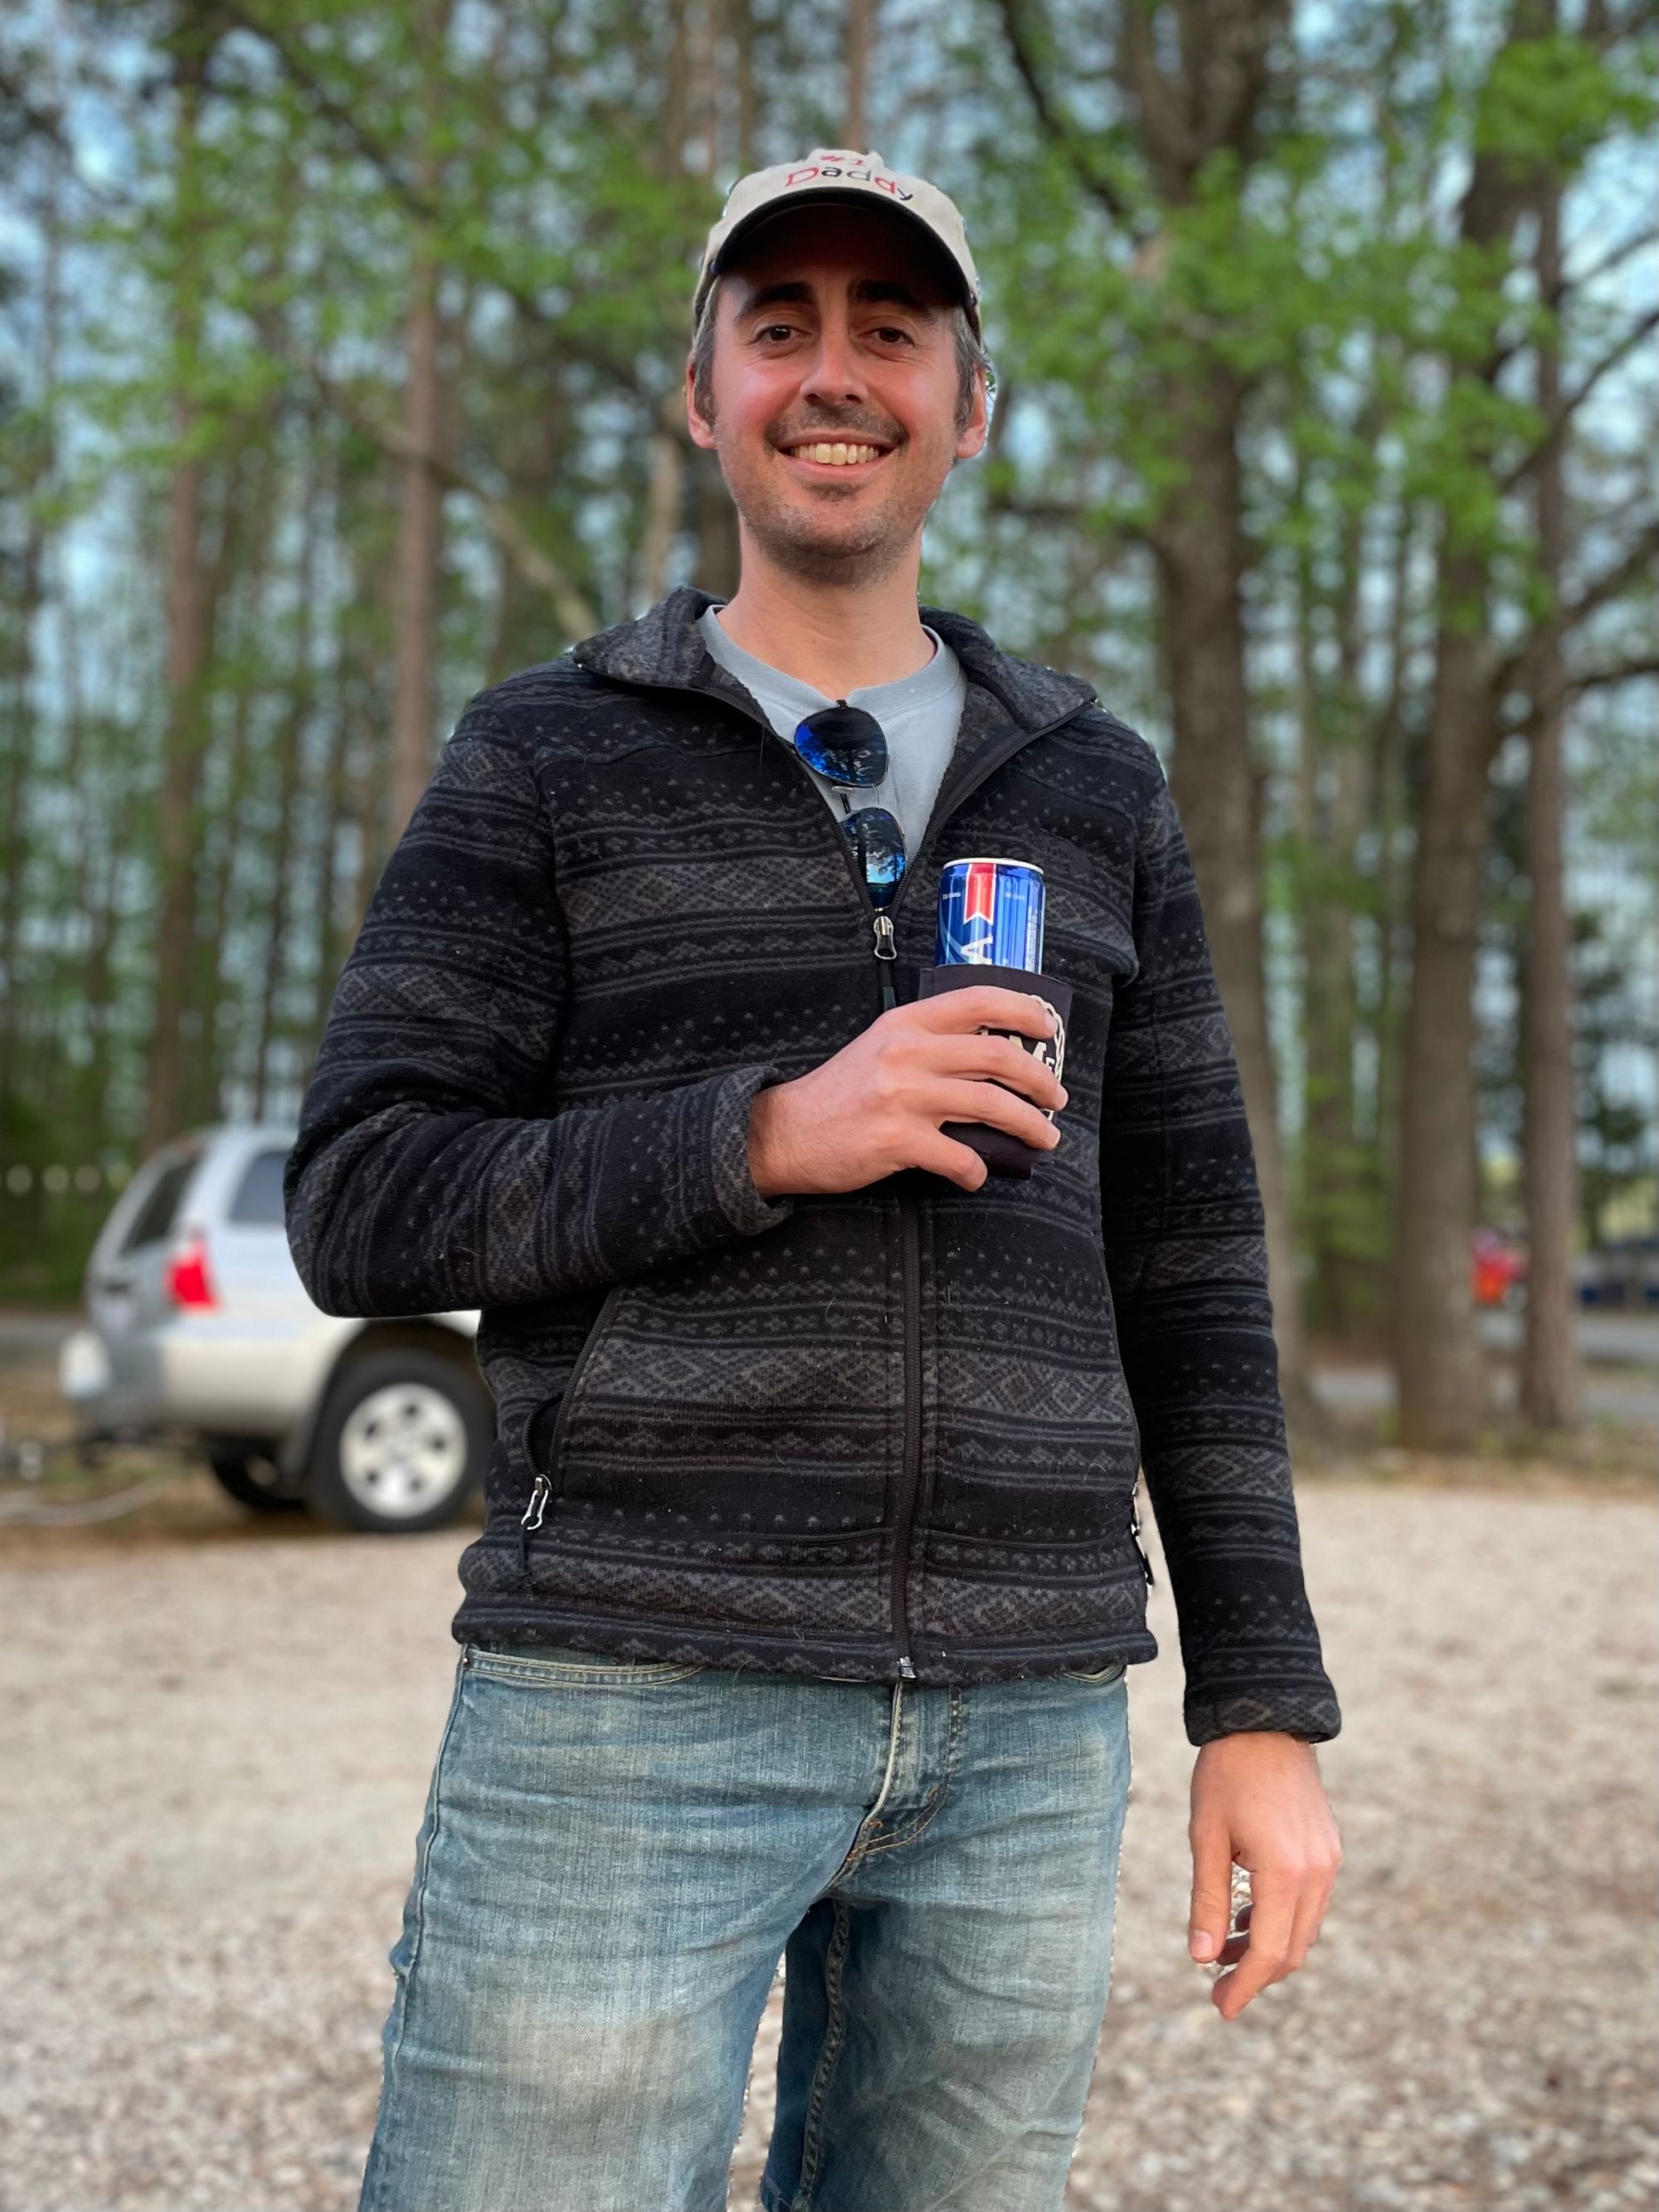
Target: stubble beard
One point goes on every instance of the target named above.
(795, 543)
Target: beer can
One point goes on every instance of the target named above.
(990, 914)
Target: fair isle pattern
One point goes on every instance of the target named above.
(620, 910)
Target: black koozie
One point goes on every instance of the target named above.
(1003, 1153)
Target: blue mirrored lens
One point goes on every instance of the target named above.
(843, 744)
(879, 841)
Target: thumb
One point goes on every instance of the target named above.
(1212, 1894)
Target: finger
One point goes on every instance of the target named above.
(1238, 1942)
(1310, 1913)
(999, 1058)
(1274, 1900)
(990, 1004)
(1212, 1898)
(989, 1101)
(944, 1156)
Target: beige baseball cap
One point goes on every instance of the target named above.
(828, 174)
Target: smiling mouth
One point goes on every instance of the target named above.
(836, 456)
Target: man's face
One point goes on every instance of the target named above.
(836, 328)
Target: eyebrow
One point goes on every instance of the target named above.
(867, 291)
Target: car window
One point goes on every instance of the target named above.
(258, 1200)
(154, 1216)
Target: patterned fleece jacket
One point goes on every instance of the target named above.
(893, 1433)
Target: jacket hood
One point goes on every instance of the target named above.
(663, 646)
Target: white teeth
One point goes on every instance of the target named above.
(837, 456)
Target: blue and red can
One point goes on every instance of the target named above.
(990, 914)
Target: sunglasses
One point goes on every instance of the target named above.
(848, 747)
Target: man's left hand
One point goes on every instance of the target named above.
(1258, 1802)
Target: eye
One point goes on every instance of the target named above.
(772, 330)
(892, 331)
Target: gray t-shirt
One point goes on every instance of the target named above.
(920, 714)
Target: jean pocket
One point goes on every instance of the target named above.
(571, 1670)
(1102, 1676)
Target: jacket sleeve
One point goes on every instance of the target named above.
(1186, 1260)
(429, 1174)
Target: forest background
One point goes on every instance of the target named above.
(341, 350)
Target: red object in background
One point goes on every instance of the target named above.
(187, 1280)
(1499, 1267)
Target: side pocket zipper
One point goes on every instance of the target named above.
(540, 1493)
(1135, 1536)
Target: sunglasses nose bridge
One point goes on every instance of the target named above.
(843, 744)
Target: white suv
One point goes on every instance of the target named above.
(200, 1330)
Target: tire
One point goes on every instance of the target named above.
(250, 1479)
(401, 1445)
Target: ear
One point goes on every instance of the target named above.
(701, 433)
(971, 442)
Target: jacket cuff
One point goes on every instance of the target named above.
(731, 1185)
(1309, 1711)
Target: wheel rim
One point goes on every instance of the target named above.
(402, 1450)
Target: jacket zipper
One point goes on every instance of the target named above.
(541, 1491)
(885, 951)
(949, 797)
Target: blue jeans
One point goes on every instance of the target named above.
(614, 1857)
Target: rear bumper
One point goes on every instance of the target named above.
(195, 1376)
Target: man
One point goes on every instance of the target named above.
(809, 1572)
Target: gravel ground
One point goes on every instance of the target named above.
(217, 1738)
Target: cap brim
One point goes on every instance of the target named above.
(818, 196)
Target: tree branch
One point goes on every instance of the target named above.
(426, 207)
(1619, 671)
(1574, 400)
(1569, 288)
(1637, 562)
(1056, 126)
(1634, 565)
(1592, 679)
(539, 570)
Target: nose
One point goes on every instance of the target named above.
(835, 373)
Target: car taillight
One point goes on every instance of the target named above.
(188, 1283)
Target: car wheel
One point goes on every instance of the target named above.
(252, 1481)
(403, 1439)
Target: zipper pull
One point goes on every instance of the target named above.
(540, 1493)
(906, 1670)
(882, 924)
(1134, 1534)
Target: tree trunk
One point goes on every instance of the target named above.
(745, 37)
(336, 815)
(1443, 1395)
(1551, 1395)
(413, 710)
(720, 552)
(1388, 780)
(290, 749)
(1198, 541)
(16, 767)
(1443, 1392)
(860, 24)
(188, 641)
(420, 527)
(664, 497)
(179, 829)
(33, 472)
(1333, 800)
